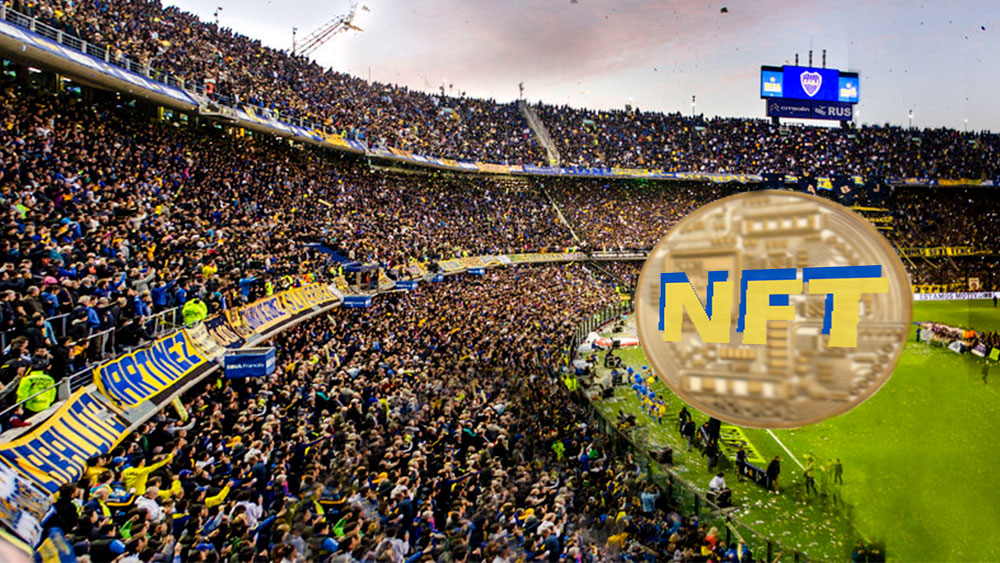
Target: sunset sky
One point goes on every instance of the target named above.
(941, 59)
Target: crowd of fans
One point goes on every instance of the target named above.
(110, 218)
(399, 433)
(627, 215)
(677, 143)
(239, 70)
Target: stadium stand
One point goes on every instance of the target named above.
(243, 71)
(635, 139)
(432, 426)
(397, 433)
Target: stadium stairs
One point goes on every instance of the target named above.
(541, 132)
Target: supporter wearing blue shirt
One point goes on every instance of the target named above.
(159, 294)
(245, 285)
(93, 319)
(141, 307)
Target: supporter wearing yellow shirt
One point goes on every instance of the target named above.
(136, 477)
(92, 472)
(208, 270)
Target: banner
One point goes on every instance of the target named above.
(341, 283)
(416, 270)
(299, 299)
(23, 505)
(384, 283)
(263, 314)
(546, 257)
(960, 296)
(491, 260)
(56, 451)
(222, 333)
(200, 338)
(453, 265)
(472, 262)
(932, 251)
(143, 374)
(357, 301)
(236, 322)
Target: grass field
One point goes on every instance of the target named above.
(919, 460)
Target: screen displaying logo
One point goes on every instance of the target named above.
(848, 89)
(811, 82)
(773, 309)
(808, 83)
(770, 83)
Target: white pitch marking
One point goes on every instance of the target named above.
(784, 447)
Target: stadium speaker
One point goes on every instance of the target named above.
(663, 454)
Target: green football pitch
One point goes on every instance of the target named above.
(920, 465)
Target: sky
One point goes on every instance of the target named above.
(939, 59)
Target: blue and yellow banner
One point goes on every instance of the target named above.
(223, 334)
(298, 299)
(263, 314)
(56, 451)
(141, 375)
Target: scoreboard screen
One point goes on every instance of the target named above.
(807, 83)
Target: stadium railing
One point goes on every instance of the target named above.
(100, 346)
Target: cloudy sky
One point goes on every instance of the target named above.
(940, 58)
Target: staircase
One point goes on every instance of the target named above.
(541, 133)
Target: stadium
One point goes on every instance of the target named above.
(255, 309)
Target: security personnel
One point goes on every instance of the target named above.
(194, 311)
(571, 382)
(37, 389)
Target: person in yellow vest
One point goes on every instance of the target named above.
(571, 383)
(268, 288)
(37, 390)
(136, 477)
(194, 311)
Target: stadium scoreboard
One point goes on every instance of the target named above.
(808, 92)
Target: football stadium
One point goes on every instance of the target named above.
(256, 308)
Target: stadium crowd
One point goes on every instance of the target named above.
(435, 426)
(628, 215)
(400, 433)
(677, 143)
(111, 218)
(237, 70)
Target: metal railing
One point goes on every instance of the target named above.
(143, 69)
(98, 347)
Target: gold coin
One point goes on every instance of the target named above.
(819, 309)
